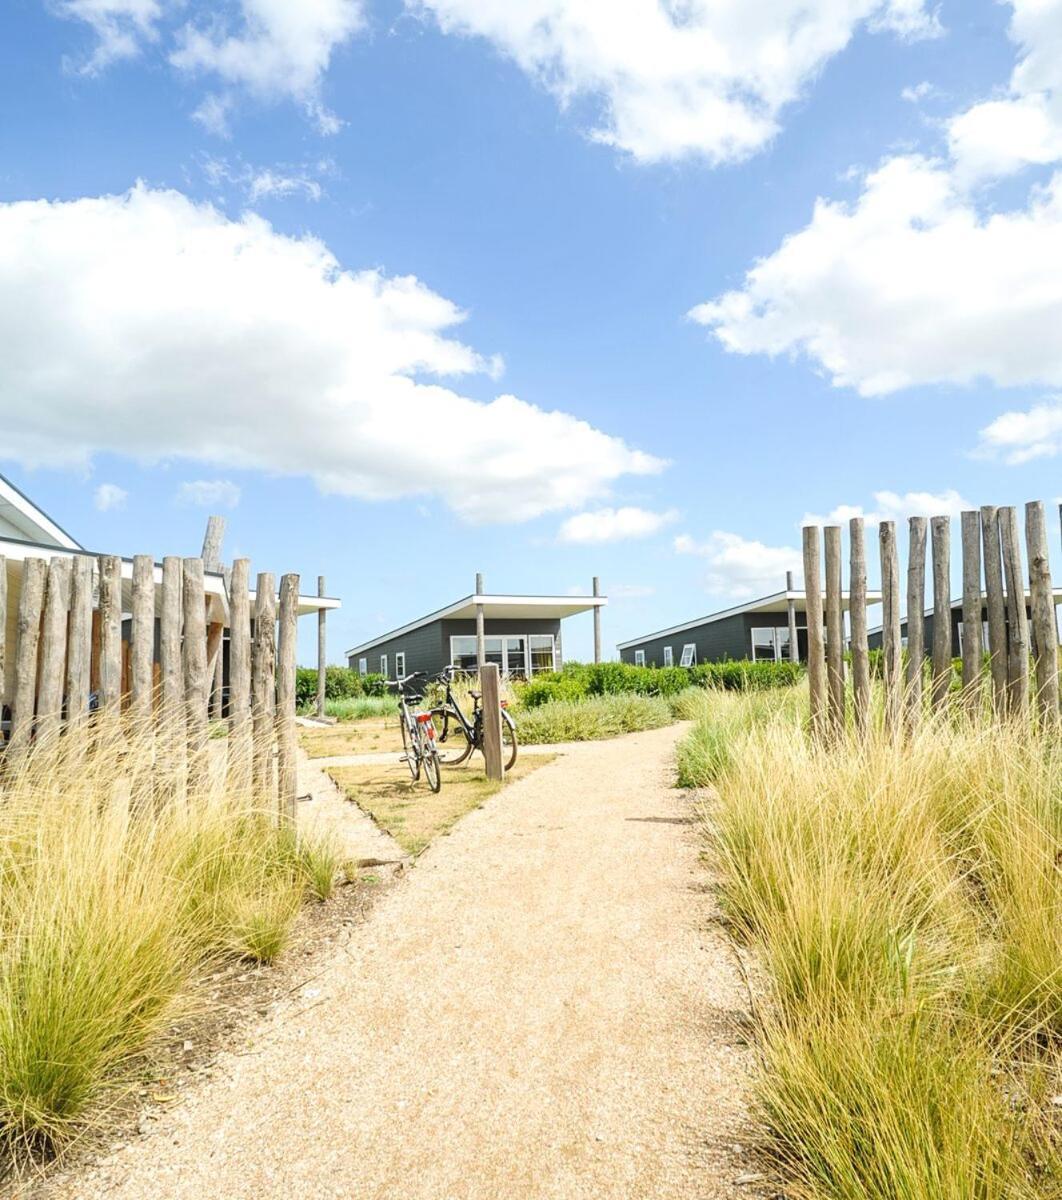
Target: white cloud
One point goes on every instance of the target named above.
(172, 331)
(742, 569)
(209, 493)
(121, 27)
(276, 182)
(704, 77)
(109, 497)
(1022, 436)
(919, 92)
(614, 525)
(892, 506)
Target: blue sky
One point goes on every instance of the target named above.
(572, 182)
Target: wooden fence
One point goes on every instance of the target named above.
(1021, 621)
(77, 659)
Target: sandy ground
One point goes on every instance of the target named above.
(542, 1008)
(324, 809)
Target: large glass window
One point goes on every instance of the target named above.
(515, 654)
(763, 645)
(770, 643)
(782, 642)
(542, 652)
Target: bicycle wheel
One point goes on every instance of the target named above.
(508, 740)
(451, 740)
(430, 757)
(411, 751)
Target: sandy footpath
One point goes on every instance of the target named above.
(542, 1008)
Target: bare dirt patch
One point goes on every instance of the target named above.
(373, 735)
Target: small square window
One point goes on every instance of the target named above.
(669, 656)
(639, 658)
(400, 665)
(689, 655)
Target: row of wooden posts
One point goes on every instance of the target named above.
(69, 644)
(991, 540)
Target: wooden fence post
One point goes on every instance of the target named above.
(816, 649)
(79, 647)
(790, 609)
(196, 682)
(996, 605)
(834, 630)
(171, 625)
(53, 650)
(891, 644)
(322, 652)
(857, 610)
(30, 605)
(110, 635)
(3, 627)
(492, 735)
(287, 765)
(481, 644)
(916, 619)
(240, 674)
(142, 638)
(971, 611)
(1045, 629)
(264, 684)
(941, 527)
(1017, 615)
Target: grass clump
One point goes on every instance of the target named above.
(123, 882)
(905, 901)
(357, 708)
(591, 719)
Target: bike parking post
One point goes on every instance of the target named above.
(490, 685)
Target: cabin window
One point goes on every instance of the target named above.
(689, 655)
(400, 665)
(639, 658)
(770, 643)
(669, 656)
(383, 665)
(543, 652)
(515, 654)
(363, 666)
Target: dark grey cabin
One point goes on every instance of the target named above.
(522, 635)
(874, 637)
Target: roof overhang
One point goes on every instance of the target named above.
(516, 608)
(20, 511)
(778, 602)
(16, 552)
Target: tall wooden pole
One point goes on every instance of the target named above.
(287, 767)
(857, 611)
(30, 604)
(196, 680)
(142, 638)
(790, 607)
(79, 647)
(492, 735)
(171, 625)
(1044, 621)
(53, 649)
(816, 649)
(996, 605)
(213, 540)
(322, 651)
(941, 534)
(240, 674)
(597, 622)
(110, 635)
(891, 638)
(916, 621)
(263, 683)
(212, 543)
(481, 642)
(971, 610)
(834, 630)
(1017, 613)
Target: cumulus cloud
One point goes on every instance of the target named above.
(614, 525)
(209, 493)
(894, 506)
(921, 279)
(171, 331)
(740, 568)
(704, 77)
(1019, 437)
(109, 497)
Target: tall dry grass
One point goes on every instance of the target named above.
(123, 881)
(905, 902)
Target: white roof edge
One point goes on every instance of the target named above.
(22, 502)
(749, 606)
(587, 602)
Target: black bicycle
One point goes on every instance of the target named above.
(456, 736)
(419, 747)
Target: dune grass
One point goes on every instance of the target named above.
(590, 719)
(120, 889)
(357, 708)
(905, 903)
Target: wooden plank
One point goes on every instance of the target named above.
(996, 605)
(287, 767)
(240, 674)
(857, 615)
(322, 652)
(30, 607)
(79, 647)
(53, 649)
(816, 647)
(941, 668)
(142, 639)
(489, 683)
(196, 680)
(110, 691)
(481, 645)
(1045, 628)
(834, 631)
(916, 622)
(892, 657)
(972, 653)
(1017, 614)
(263, 683)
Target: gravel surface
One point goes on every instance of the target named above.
(542, 1008)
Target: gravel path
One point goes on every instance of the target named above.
(542, 1008)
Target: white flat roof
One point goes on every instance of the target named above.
(778, 602)
(513, 607)
(19, 511)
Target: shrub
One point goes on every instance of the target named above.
(340, 684)
(357, 708)
(590, 719)
(746, 676)
(374, 684)
(542, 690)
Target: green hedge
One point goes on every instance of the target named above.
(341, 683)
